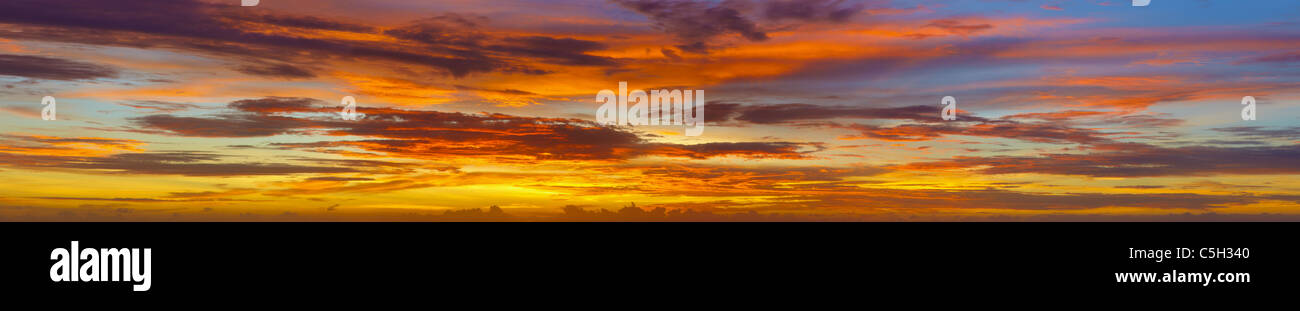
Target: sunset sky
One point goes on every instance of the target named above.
(817, 110)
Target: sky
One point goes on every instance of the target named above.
(818, 110)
